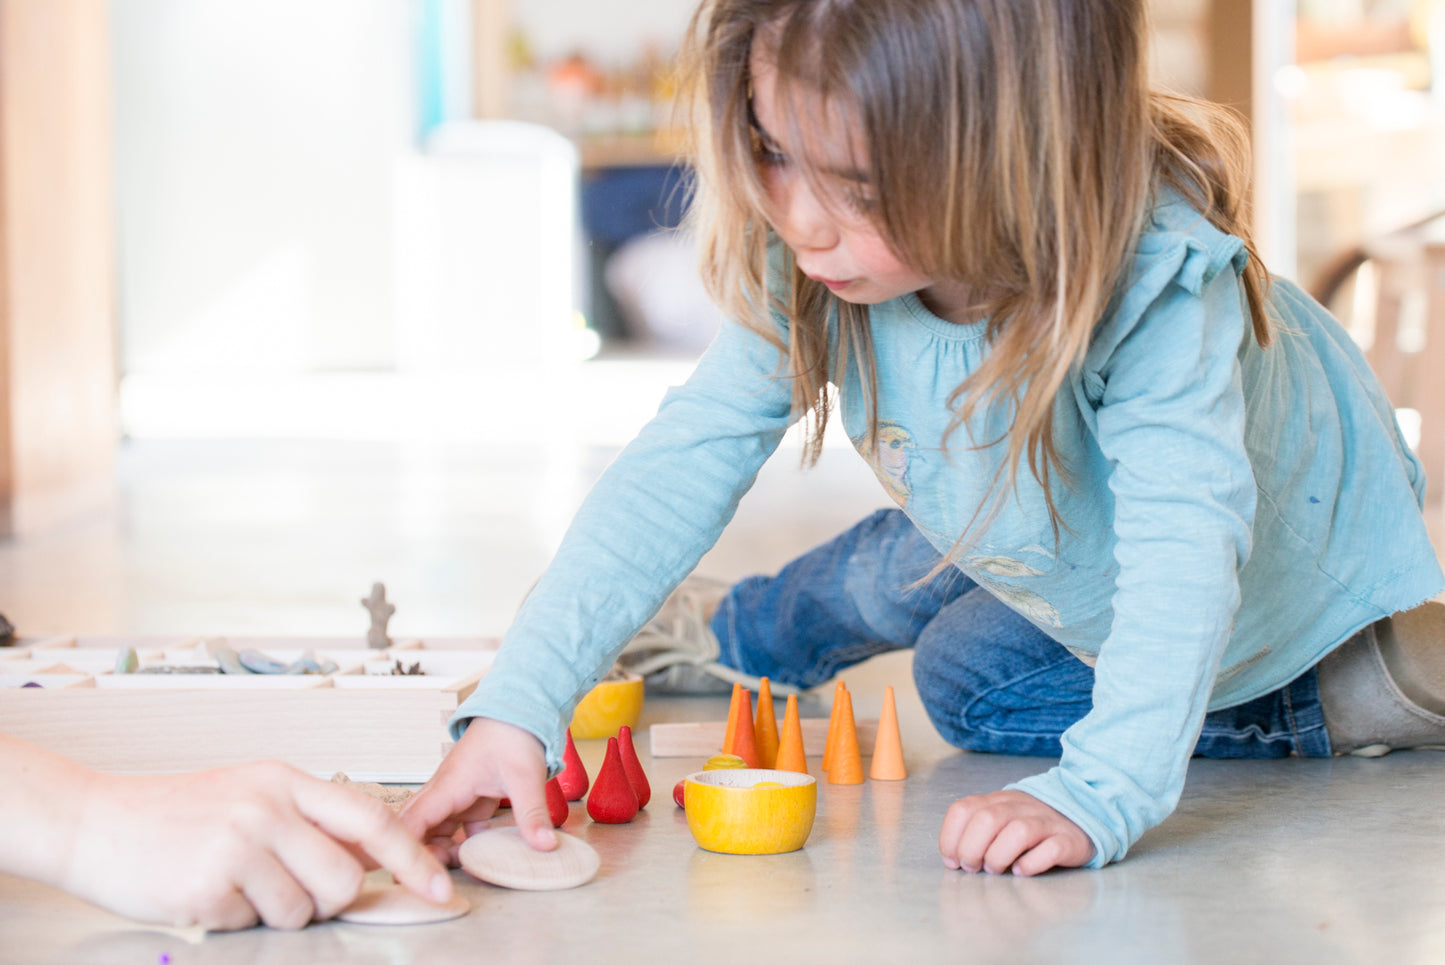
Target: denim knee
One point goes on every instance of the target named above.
(1006, 694)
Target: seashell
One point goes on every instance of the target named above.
(257, 662)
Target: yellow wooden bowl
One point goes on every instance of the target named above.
(750, 810)
(607, 707)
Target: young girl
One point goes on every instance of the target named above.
(1143, 491)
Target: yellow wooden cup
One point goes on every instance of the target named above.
(750, 810)
(607, 707)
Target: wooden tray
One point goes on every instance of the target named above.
(369, 725)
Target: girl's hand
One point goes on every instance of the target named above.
(225, 848)
(492, 760)
(1010, 830)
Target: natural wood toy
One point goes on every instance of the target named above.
(765, 726)
(838, 690)
(718, 762)
(574, 776)
(635, 774)
(393, 797)
(701, 738)
(734, 708)
(557, 808)
(613, 800)
(888, 748)
(499, 856)
(791, 756)
(744, 743)
(381, 612)
(394, 904)
(847, 762)
(750, 810)
(615, 701)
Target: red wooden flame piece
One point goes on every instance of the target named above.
(633, 766)
(557, 808)
(612, 801)
(574, 776)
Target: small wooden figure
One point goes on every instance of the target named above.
(612, 801)
(791, 756)
(574, 776)
(633, 766)
(381, 612)
(765, 726)
(847, 761)
(888, 746)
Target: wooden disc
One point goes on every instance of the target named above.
(499, 856)
(396, 905)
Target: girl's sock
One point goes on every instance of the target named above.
(1384, 688)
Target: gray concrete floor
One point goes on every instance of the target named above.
(1288, 861)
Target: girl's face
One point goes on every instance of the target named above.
(826, 220)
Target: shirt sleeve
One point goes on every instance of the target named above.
(646, 522)
(1171, 423)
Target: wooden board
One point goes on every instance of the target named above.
(705, 739)
(372, 727)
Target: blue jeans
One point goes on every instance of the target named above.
(989, 679)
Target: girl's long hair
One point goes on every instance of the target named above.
(1014, 146)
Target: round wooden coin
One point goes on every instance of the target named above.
(499, 856)
(396, 905)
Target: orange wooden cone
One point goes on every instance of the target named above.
(732, 727)
(745, 743)
(847, 762)
(888, 746)
(791, 756)
(828, 745)
(765, 726)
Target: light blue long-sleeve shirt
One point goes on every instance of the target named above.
(1235, 513)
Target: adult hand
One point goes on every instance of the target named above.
(1010, 830)
(492, 760)
(228, 847)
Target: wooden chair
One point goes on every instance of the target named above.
(1399, 320)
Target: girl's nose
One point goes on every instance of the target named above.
(803, 221)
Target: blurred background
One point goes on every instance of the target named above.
(300, 294)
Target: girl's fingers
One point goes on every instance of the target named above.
(529, 807)
(1013, 839)
(277, 897)
(977, 837)
(1040, 858)
(370, 824)
(954, 821)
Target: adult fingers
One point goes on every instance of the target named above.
(370, 824)
(275, 894)
(230, 912)
(324, 867)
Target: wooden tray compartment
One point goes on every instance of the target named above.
(373, 728)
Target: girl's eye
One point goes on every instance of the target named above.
(860, 201)
(769, 155)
